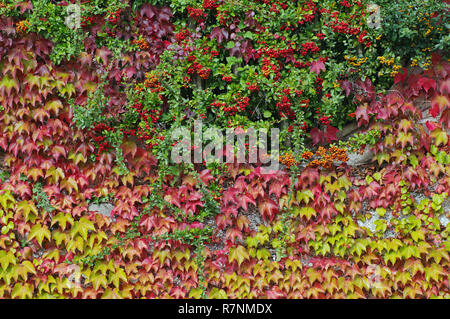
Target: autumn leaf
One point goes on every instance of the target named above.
(330, 134)
(239, 254)
(219, 33)
(82, 227)
(362, 114)
(39, 232)
(400, 77)
(7, 258)
(22, 291)
(438, 103)
(427, 83)
(440, 137)
(268, 208)
(317, 67)
(317, 136)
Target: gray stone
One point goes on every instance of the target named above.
(445, 217)
(347, 130)
(370, 223)
(356, 159)
(104, 209)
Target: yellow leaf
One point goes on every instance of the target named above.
(62, 219)
(22, 291)
(7, 258)
(82, 227)
(217, 293)
(39, 232)
(24, 269)
(239, 254)
(98, 280)
(25, 207)
(116, 276)
(6, 199)
(195, 293)
(75, 243)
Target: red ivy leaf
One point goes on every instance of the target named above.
(243, 201)
(317, 66)
(205, 176)
(222, 221)
(230, 195)
(400, 77)
(444, 86)
(129, 147)
(437, 104)
(103, 54)
(232, 233)
(330, 134)
(445, 118)
(147, 10)
(268, 208)
(317, 136)
(347, 87)
(129, 72)
(427, 83)
(220, 34)
(431, 125)
(362, 114)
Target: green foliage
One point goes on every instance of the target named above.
(411, 29)
(357, 141)
(41, 198)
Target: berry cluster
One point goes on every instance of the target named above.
(241, 103)
(304, 126)
(284, 107)
(141, 43)
(326, 157)
(287, 160)
(310, 10)
(197, 14)
(227, 78)
(152, 82)
(318, 85)
(86, 21)
(103, 144)
(308, 47)
(268, 67)
(210, 4)
(114, 16)
(325, 120)
(218, 105)
(22, 26)
(197, 68)
(307, 155)
(320, 35)
(300, 64)
(224, 18)
(143, 134)
(343, 27)
(252, 87)
(277, 53)
(304, 103)
(346, 4)
(183, 34)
